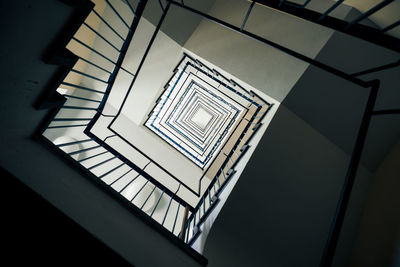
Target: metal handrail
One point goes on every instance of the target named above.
(352, 28)
(102, 149)
(385, 40)
(211, 193)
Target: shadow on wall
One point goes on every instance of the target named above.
(378, 242)
(280, 211)
(320, 98)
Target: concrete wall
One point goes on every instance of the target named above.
(378, 242)
(382, 18)
(342, 103)
(300, 164)
(261, 66)
(281, 208)
(179, 24)
(155, 72)
(206, 227)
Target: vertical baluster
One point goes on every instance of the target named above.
(371, 11)
(306, 3)
(144, 203)
(176, 216)
(118, 15)
(161, 5)
(230, 159)
(247, 15)
(166, 212)
(184, 222)
(93, 50)
(108, 25)
(333, 7)
(219, 184)
(94, 64)
(74, 143)
(83, 150)
(140, 189)
(391, 26)
(158, 201)
(123, 188)
(223, 174)
(120, 177)
(204, 206)
(101, 163)
(209, 197)
(130, 7)
(66, 126)
(187, 231)
(112, 170)
(101, 36)
(102, 153)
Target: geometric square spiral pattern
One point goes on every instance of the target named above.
(195, 114)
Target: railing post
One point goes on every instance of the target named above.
(344, 198)
(184, 223)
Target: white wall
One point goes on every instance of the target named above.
(155, 72)
(263, 67)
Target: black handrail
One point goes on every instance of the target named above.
(347, 187)
(353, 29)
(372, 35)
(281, 48)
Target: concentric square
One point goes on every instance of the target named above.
(183, 121)
(193, 86)
(219, 113)
(229, 113)
(201, 118)
(193, 115)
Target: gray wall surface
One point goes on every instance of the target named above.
(378, 242)
(178, 24)
(280, 211)
(259, 65)
(340, 104)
